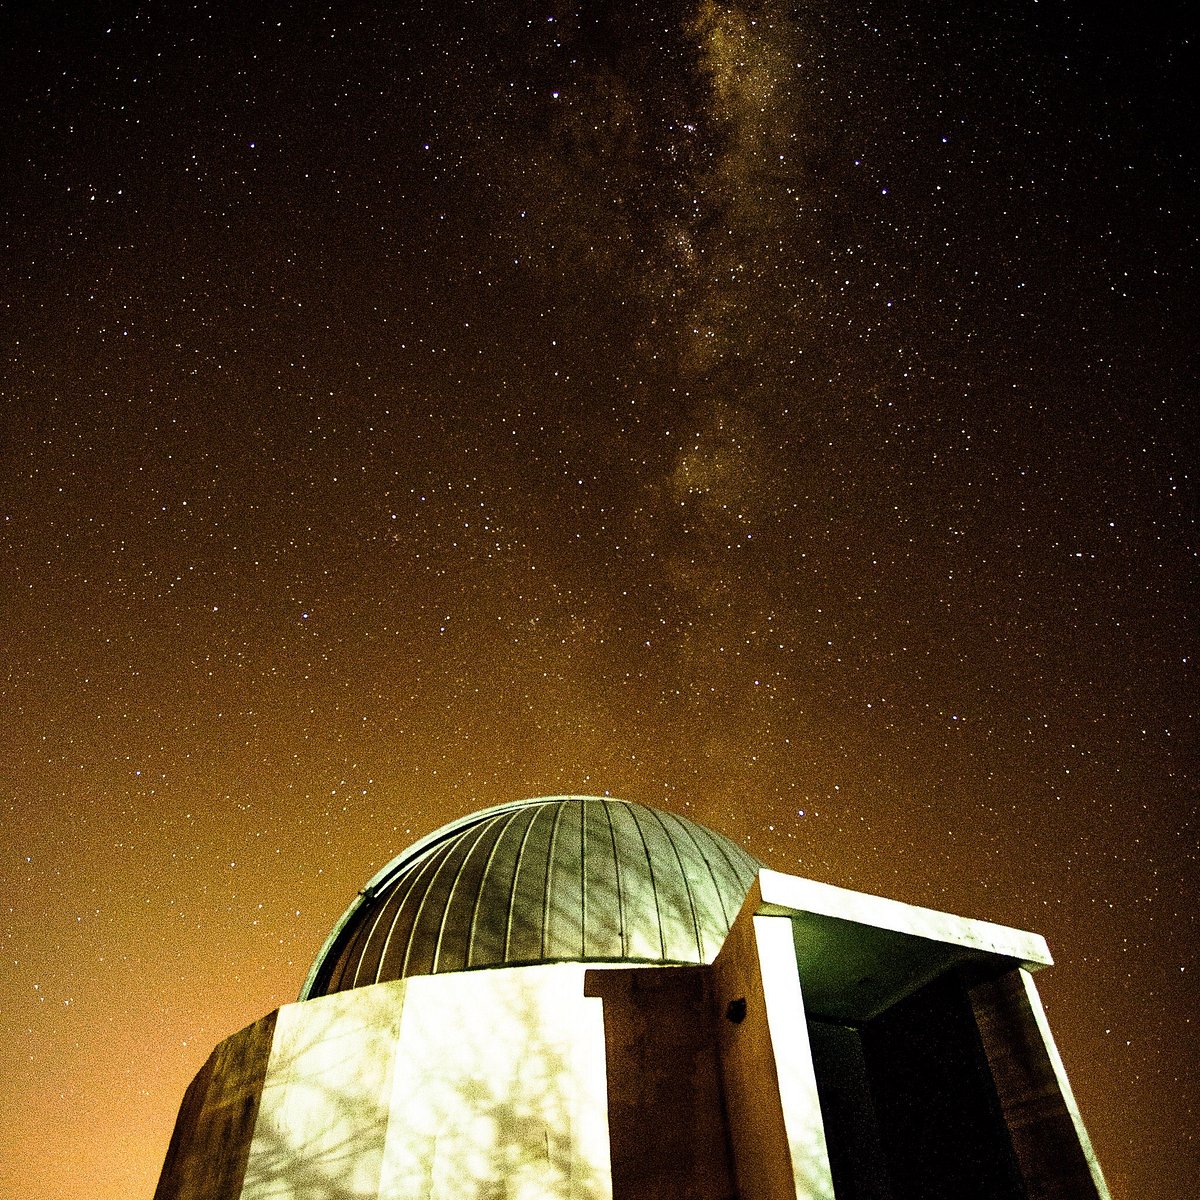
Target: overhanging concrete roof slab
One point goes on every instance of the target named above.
(859, 954)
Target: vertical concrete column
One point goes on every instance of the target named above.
(667, 1132)
(1048, 1136)
(775, 1127)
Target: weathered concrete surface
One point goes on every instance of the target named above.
(210, 1146)
(499, 1089)
(324, 1113)
(1048, 1136)
(466, 1086)
(775, 1126)
(666, 1119)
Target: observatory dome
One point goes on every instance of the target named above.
(560, 878)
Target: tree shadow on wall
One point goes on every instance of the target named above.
(479, 1093)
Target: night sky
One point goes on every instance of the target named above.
(771, 412)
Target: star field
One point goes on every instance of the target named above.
(775, 414)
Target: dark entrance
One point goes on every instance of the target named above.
(909, 1106)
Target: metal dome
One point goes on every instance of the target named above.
(560, 878)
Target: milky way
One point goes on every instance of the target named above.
(772, 413)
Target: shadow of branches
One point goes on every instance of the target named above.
(484, 1085)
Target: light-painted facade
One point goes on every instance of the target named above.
(838, 1047)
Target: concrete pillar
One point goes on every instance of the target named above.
(775, 1126)
(666, 1119)
(1050, 1142)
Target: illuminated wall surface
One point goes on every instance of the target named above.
(834, 1046)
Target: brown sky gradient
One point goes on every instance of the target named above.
(776, 417)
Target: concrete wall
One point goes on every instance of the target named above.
(497, 1085)
(210, 1146)
(499, 1091)
(666, 1121)
(475, 1086)
(1052, 1147)
(776, 1132)
(324, 1116)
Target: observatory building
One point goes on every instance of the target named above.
(577, 998)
